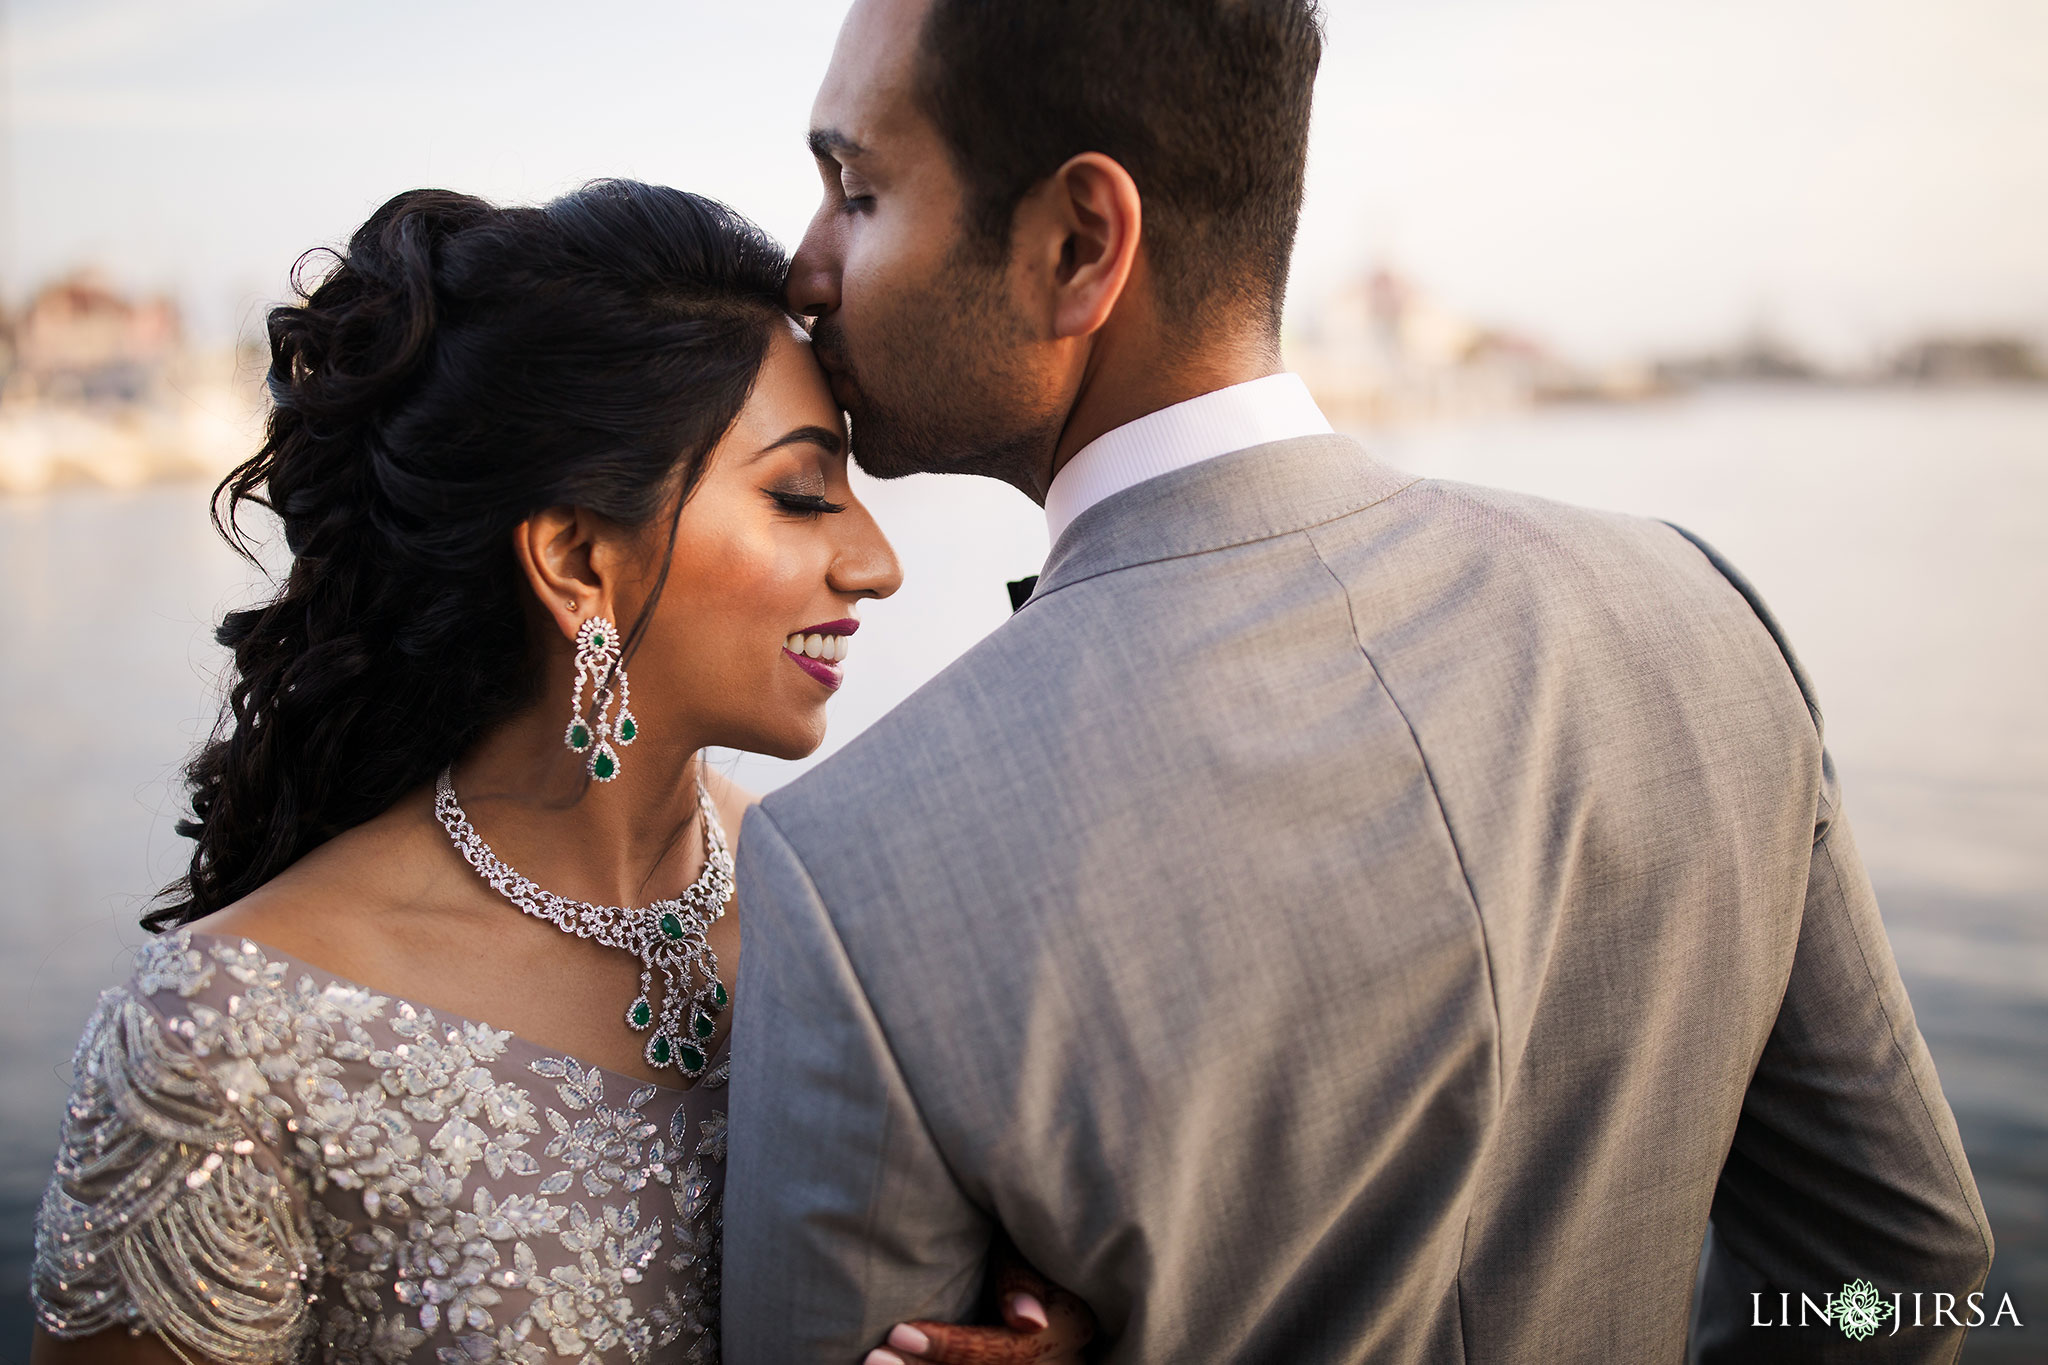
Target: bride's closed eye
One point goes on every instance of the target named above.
(803, 504)
(787, 488)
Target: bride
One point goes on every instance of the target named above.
(398, 1080)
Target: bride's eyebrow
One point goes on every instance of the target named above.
(830, 441)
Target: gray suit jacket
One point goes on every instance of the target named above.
(1339, 918)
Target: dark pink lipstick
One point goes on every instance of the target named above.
(826, 670)
(817, 668)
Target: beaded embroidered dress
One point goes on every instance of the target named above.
(264, 1162)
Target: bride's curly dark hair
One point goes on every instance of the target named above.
(460, 367)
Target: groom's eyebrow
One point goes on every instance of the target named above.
(832, 442)
(829, 144)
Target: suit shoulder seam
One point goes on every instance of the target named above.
(1747, 591)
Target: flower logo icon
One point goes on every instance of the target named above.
(1859, 1309)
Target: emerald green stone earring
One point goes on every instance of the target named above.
(599, 663)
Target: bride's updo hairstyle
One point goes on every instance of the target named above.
(457, 369)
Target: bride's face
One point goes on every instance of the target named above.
(773, 557)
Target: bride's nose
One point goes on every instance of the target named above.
(865, 563)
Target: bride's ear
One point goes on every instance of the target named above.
(555, 552)
(1084, 224)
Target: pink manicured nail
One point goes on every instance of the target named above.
(904, 1337)
(1029, 1309)
(878, 1356)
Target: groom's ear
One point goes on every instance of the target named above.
(1081, 227)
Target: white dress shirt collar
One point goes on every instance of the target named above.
(1275, 408)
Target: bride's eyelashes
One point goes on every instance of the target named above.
(803, 504)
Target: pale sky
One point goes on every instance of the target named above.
(1613, 176)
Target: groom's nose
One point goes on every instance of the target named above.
(813, 288)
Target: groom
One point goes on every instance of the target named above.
(1340, 917)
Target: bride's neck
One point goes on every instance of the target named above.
(625, 842)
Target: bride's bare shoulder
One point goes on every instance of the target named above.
(338, 905)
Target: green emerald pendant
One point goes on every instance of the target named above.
(689, 1059)
(671, 927)
(719, 999)
(579, 737)
(639, 1014)
(659, 1053)
(702, 1025)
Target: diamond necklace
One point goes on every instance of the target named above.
(667, 936)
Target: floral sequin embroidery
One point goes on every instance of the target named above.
(403, 1186)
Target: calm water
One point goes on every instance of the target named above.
(1898, 537)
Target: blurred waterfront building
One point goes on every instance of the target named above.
(1970, 360)
(1380, 349)
(1762, 357)
(99, 387)
(79, 341)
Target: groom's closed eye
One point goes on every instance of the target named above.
(833, 151)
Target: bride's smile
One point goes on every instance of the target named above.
(770, 541)
(817, 649)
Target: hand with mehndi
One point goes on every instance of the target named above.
(1043, 1324)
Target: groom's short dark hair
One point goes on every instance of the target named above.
(1204, 102)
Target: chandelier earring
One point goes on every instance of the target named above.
(600, 665)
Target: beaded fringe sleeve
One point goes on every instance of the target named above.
(163, 1214)
(262, 1162)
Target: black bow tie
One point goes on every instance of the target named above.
(1020, 592)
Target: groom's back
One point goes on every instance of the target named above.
(1337, 919)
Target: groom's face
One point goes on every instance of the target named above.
(923, 335)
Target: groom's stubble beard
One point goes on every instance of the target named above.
(935, 387)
